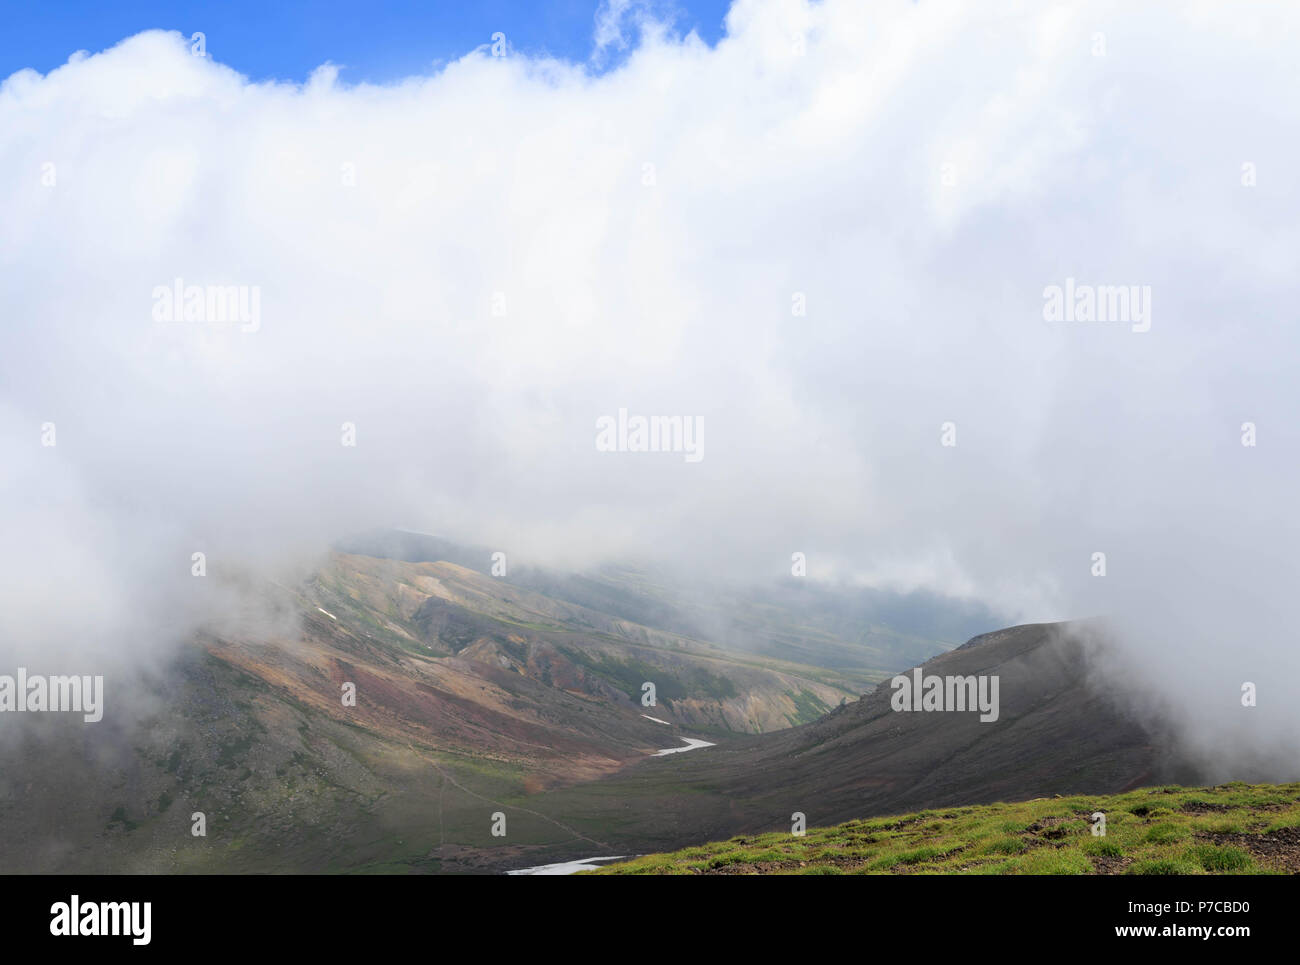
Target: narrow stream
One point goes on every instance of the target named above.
(586, 864)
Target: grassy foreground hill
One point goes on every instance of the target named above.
(1230, 829)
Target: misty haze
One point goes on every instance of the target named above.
(806, 437)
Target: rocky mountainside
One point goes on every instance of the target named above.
(469, 696)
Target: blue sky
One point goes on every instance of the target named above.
(376, 41)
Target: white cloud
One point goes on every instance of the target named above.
(919, 172)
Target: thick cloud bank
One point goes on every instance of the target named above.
(847, 235)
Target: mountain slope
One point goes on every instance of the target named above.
(476, 699)
(443, 609)
(471, 696)
(1059, 732)
(857, 631)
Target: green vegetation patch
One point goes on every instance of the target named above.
(1228, 829)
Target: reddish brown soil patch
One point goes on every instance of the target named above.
(1050, 828)
(1108, 865)
(1278, 849)
(1203, 807)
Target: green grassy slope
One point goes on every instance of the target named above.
(1230, 829)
